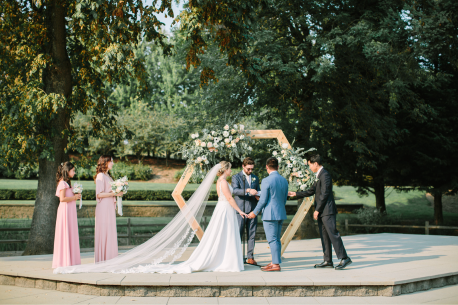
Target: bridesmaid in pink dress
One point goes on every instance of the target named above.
(106, 236)
(66, 240)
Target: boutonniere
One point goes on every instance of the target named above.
(253, 179)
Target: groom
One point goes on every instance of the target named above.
(272, 203)
(325, 213)
(245, 186)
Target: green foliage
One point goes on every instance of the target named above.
(148, 195)
(23, 171)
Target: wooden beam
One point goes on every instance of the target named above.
(294, 224)
(176, 194)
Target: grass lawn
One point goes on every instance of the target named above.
(400, 205)
(14, 184)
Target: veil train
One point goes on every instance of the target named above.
(164, 248)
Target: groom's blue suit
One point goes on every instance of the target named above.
(274, 192)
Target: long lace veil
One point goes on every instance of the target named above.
(164, 248)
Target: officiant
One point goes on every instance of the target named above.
(245, 189)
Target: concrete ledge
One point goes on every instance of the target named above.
(230, 291)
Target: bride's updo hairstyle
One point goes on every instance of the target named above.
(224, 167)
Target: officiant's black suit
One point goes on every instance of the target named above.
(326, 206)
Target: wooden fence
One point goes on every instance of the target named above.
(204, 224)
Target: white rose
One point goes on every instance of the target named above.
(233, 131)
(213, 133)
(209, 144)
(283, 152)
(199, 159)
(206, 162)
(250, 148)
(203, 144)
(197, 135)
(242, 127)
(193, 136)
(227, 140)
(204, 157)
(234, 145)
(215, 145)
(241, 137)
(235, 126)
(284, 145)
(230, 138)
(290, 165)
(197, 143)
(274, 153)
(226, 127)
(279, 159)
(303, 187)
(299, 172)
(226, 134)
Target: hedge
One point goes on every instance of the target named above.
(90, 195)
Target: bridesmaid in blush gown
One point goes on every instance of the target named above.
(66, 240)
(106, 236)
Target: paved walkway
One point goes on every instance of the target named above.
(18, 295)
(378, 259)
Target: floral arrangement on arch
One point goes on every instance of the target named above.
(293, 165)
(211, 145)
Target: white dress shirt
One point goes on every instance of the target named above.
(319, 171)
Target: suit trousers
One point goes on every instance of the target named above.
(273, 235)
(330, 235)
(251, 225)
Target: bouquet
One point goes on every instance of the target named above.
(120, 185)
(78, 189)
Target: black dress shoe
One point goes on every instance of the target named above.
(343, 263)
(324, 265)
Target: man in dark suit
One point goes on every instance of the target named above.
(245, 187)
(325, 213)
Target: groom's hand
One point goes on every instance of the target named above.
(315, 215)
(251, 215)
(292, 194)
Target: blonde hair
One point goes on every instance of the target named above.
(224, 167)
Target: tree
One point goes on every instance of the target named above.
(333, 77)
(426, 157)
(57, 57)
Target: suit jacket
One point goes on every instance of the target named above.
(274, 193)
(239, 193)
(322, 189)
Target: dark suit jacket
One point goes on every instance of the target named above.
(239, 192)
(322, 189)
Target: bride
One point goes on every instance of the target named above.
(219, 250)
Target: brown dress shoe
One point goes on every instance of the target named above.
(251, 261)
(266, 266)
(272, 268)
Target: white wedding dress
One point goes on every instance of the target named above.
(219, 250)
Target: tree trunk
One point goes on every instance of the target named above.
(57, 79)
(438, 217)
(307, 229)
(379, 190)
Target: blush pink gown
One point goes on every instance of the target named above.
(106, 236)
(66, 240)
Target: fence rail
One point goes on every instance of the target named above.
(204, 224)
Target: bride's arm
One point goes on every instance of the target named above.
(228, 195)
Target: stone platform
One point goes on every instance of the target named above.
(383, 265)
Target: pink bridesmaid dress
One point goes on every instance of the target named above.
(66, 240)
(106, 236)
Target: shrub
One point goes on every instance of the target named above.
(148, 195)
(23, 171)
(120, 169)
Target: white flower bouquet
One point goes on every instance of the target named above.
(117, 186)
(78, 189)
(293, 166)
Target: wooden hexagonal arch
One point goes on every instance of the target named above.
(254, 134)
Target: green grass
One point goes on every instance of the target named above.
(14, 184)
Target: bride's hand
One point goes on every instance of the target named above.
(243, 214)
